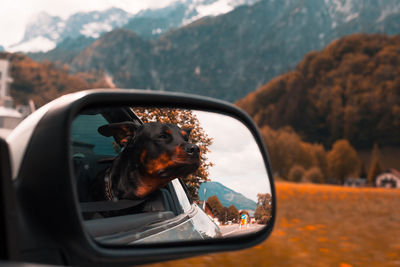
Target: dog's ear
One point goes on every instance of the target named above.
(122, 131)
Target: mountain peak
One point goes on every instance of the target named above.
(44, 31)
(226, 196)
(149, 23)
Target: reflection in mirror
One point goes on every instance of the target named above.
(148, 175)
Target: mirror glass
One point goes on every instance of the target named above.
(148, 175)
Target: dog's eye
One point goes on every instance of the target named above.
(163, 136)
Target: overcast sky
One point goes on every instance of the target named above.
(14, 14)
(237, 158)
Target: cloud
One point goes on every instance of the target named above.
(238, 161)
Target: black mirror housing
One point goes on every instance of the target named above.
(50, 220)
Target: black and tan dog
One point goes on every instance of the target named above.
(153, 154)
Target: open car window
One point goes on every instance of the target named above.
(86, 139)
(123, 222)
(162, 215)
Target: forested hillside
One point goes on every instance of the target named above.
(226, 56)
(43, 82)
(349, 90)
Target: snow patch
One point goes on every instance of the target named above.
(351, 17)
(214, 9)
(156, 31)
(387, 12)
(117, 19)
(54, 35)
(94, 29)
(38, 44)
(342, 6)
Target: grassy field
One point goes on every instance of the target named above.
(319, 225)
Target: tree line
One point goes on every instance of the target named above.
(349, 90)
(295, 160)
(262, 213)
(44, 81)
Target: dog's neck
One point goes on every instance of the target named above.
(147, 185)
(125, 181)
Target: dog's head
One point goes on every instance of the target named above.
(158, 152)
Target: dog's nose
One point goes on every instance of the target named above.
(191, 149)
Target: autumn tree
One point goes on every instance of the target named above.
(45, 81)
(375, 167)
(314, 175)
(233, 213)
(342, 160)
(288, 151)
(217, 209)
(264, 208)
(348, 90)
(296, 173)
(185, 119)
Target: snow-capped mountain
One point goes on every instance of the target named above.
(41, 33)
(234, 53)
(44, 31)
(150, 23)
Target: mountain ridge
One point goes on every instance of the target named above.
(343, 90)
(230, 55)
(226, 196)
(44, 31)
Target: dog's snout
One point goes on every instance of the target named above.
(191, 149)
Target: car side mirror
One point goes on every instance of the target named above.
(133, 177)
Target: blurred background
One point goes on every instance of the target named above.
(320, 79)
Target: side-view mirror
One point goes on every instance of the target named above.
(131, 177)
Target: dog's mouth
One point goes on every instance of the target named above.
(181, 169)
(177, 166)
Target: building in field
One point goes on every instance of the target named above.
(355, 182)
(389, 179)
(9, 117)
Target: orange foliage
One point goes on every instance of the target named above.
(43, 82)
(320, 225)
(349, 90)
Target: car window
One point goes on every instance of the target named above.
(181, 195)
(86, 138)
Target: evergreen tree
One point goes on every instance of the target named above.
(375, 167)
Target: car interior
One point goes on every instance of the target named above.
(92, 155)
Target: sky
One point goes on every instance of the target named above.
(15, 14)
(238, 161)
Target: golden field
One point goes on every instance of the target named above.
(322, 225)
